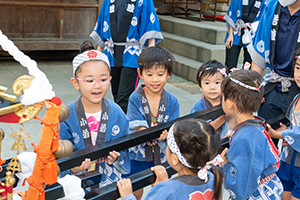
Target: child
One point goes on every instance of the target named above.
(252, 159)
(94, 119)
(192, 144)
(150, 105)
(209, 77)
(289, 171)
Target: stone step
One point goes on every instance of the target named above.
(205, 31)
(185, 68)
(193, 49)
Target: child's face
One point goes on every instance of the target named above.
(297, 72)
(211, 86)
(155, 79)
(92, 90)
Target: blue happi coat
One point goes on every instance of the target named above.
(250, 159)
(235, 12)
(260, 49)
(137, 117)
(144, 25)
(202, 105)
(183, 187)
(292, 135)
(70, 130)
(199, 105)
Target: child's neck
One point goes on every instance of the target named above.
(215, 102)
(153, 100)
(185, 171)
(241, 117)
(91, 107)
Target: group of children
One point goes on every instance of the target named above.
(190, 146)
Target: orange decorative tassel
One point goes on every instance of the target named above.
(50, 173)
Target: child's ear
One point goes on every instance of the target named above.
(200, 88)
(139, 72)
(169, 75)
(230, 103)
(75, 83)
(175, 161)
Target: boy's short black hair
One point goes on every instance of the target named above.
(155, 56)
(246, 100)
(209, 68)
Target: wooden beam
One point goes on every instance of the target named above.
(54, 4)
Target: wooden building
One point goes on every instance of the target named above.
(48, 24)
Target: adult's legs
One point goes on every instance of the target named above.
(232, 56)
(126, 86)
(276, 103)
(115, 74)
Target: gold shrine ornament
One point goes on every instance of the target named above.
(14, 165)
(25, 113)
(22, 83)
(20, 138)
(28, 112)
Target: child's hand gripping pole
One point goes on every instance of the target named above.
(45, 167)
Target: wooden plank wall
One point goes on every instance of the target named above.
(48, 24)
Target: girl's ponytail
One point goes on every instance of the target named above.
(218, 174)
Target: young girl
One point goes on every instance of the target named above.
(150, 105)
(192, 147)
(94, 119)
(289, 171)
(209, 77)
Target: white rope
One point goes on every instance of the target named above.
(41, 89)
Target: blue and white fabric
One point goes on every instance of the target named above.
(117, 126)
(144, 25)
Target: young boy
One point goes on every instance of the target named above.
(150, 105)
(251, 162)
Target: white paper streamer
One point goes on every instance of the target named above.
(41, 89)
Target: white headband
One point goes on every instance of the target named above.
(248, 86)
(202, 173)
(89, 55)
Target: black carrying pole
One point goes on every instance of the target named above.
(125, 142)
(141, 179)
(138, 180)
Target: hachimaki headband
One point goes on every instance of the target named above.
(89, 55)
(248, 86)
(202, 173)
(245, 85)
(221, 70)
